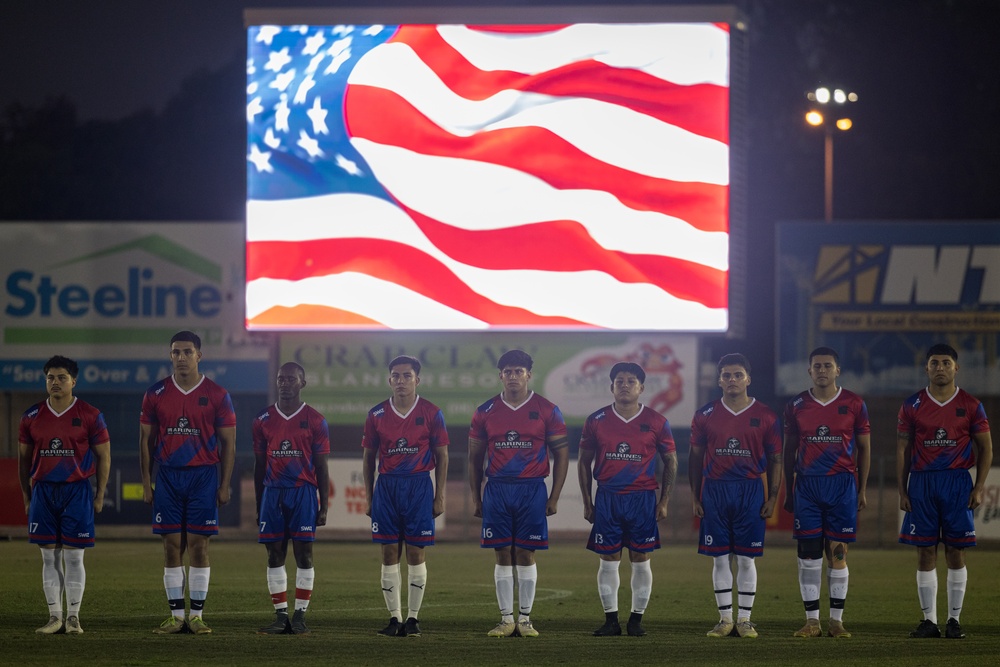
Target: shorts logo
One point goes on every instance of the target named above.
(286, 451)
(211, 522)
(756, 544)
(732, 448)
(426, 532)
(513, 441)
(847, 529)
(534, 537)
(623, 452)
(183, 428)
(305, 529)
(401, 448)
(56, 448)
(941, 439)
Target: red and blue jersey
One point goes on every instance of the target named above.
(61, 443)
(405, 443)
(826, 433)
(736, 444)
(942, 432)
(625, 449)
(515, 437)
(186, 423)
(291, 444)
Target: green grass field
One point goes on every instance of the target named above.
(125, 601)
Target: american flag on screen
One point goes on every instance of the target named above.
(476, 177)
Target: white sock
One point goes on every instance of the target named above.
(52, 580)
(722, 581)
(173, 583)
(810, 579)
(75, 580)
(198, 584)
(304, 578)
(837, 581)
(390, 590)
(503, 577)
(608, 583)
(277, 586)
(642, 586)
(746, 584)
(527, 578)
(416, 576)
(927, 587)
(956, 591)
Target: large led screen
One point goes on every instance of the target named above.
(475, 177)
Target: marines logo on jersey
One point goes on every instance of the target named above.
(183, 428)
(513, 441)
(402, 448)
(623, 452)
(56, 448)
(286, 450)
(733, 448)
(941, 439)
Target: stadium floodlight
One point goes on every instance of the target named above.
(835, 118)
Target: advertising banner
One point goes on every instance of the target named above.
(881, 293)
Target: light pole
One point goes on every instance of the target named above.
(834, 105)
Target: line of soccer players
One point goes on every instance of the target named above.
(187, 427)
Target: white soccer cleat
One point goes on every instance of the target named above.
(525, 628)
(73, 625)
(53, 627)
(503, 629)
(722, 629)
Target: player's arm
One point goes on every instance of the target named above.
(227, 457)
(440, 478)
(667, 479)
(585, 475)
(864, 443)
(559, 447)
(790, 456)
(259, 472)
(368, 473)
(147, 441)
(477, 456)
(323, 485)
(24, 472)
(773, 484)
(984, 459)
(904, 450)
(102, 453)
(696, 460)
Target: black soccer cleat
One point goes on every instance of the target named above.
(279, 626)
(410, 629)
(634, 627)
(925, 630)
(393, 629)
(611, 628)
(298, 623)
(953, 630)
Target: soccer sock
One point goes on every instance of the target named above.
(416, 576)
(722, 581)
(390, 590)
(956, 591)
(173, 582)
(52, 580)
(642, 586)
(810, 578)
(608, 582)
(527, 578)
(927, 587)
(837, 580)
(746, 584)
(75, 580)
(277, 586)
(304, 578)
(503, 577)
(199, 588)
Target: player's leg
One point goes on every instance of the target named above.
(300, 507)
(168, 514)
(642, 588)
(272, 533)
(497, 534)
(199, 575)
(77, 529)
(43, 530)
(748, 544)
(416, 579)
(606, 541)
(531, 532)
(840, 521)
(305, 577)
(419, 533)
(642, 537)
(387, 531)
(958, 577)
(808, 531)
(921, 528)
(714, 539)
(202, 523)
(959, 532)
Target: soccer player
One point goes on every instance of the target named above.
(942, 431)
(62, 443)
(625, 438)
(291, 445)
(734, 441)
(188, 427)
(408, 434)
(511, 437)
(825, 428)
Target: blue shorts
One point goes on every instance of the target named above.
(732, 521)
(826, 506)
(939, 503)
(186, 500)
(624, 520)
(288, 513)
(514, 514)
(62, 514)
(403, 510)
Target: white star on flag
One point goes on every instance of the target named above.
(281, 113)
(317, 114)
(347, 165)
(282, 80)
(271, 140)
(254, 108)
(313, 44)
(277, 60)
(267, 33)
(309, 145)
(303, 90)
(261, 160)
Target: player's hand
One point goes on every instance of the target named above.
(661, 510)
(321, 517)
(789, 504)
(27, 502)
(98, 503)
(975, 498)
(222, 496)
(147, 495)
(588, 513)
(767, 509)
(368, 509)
(477, 508)
(904, 502)
(862, 501)
(551, 507)
(438, 507)
(699, 509)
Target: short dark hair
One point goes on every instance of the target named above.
(628, 367)
(942, 348)
(291, 364)
(514, 358)
(60, 361)
(405, 359)
(825, 352)
(187, 337)
(733, 359)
